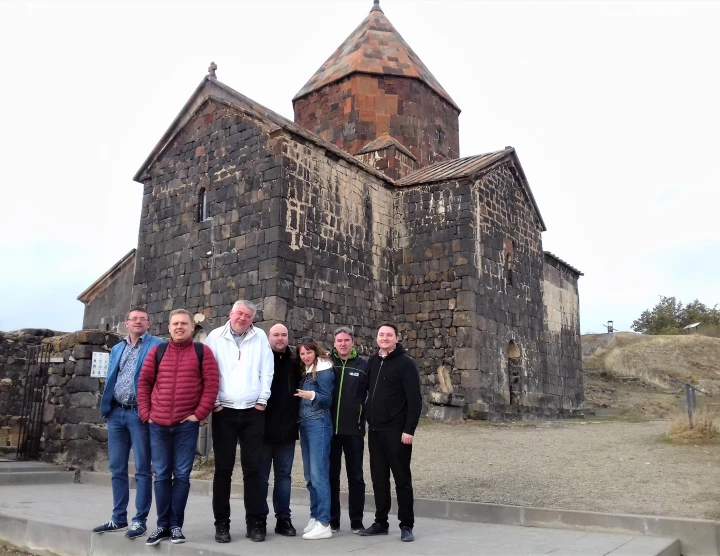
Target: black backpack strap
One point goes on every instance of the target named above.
(159, 354)
(200, 351)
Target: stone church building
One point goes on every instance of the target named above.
(358, 212)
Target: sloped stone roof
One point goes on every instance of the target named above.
(383, 142)
(376, 48)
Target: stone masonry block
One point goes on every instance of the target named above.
(466, 301)
(464, 318)
(466, 358)
(275, 308)
(83, 399)
(83, 351)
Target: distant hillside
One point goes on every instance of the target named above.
(692, 358)
(630, 374)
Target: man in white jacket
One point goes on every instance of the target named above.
(246, 368)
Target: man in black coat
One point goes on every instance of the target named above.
(348, 421)
(281, 430)
(393, 410)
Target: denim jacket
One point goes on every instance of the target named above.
(323, 388)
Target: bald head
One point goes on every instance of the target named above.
(278, 337)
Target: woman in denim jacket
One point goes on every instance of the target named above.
(315, 392)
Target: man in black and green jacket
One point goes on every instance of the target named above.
(348, 419)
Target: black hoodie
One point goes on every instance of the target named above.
(394, 399)
(282, 407)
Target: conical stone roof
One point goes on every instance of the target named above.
(376, 48)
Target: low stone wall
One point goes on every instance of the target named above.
(74, 432)
(14, 348)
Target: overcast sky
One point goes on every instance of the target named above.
(613, 107)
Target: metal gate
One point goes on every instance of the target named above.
(36, 379)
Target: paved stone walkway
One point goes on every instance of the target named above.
(64, 514)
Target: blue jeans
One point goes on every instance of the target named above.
(173, 453)
(125, 431)
(315, 438)
(280, 456)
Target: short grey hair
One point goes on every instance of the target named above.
(181, 312)
(245, 303)
(344, 329)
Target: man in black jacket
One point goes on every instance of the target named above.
(348, 420)
(281, 430)
(393, 410)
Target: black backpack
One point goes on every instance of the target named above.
(199, 350)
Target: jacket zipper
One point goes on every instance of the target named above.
(372, 401)
(337, 415)
(172, 405)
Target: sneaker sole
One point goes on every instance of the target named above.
(133, 537)
(222, 541)
(177, 541)
(314, 538)
(111, 530)
(148, 543)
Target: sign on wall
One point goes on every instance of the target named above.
(100, 364)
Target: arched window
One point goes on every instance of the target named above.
(202, 205)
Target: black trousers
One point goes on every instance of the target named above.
(388, 453)
(353, 446)
(229, 426)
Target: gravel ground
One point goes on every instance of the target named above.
(7, 551)
(604, 466)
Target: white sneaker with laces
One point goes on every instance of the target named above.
(311, 525)
(320, 531)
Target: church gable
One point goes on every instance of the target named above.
(212, 197)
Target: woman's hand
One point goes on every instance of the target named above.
(305, 394)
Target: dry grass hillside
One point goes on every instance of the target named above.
(633, 373)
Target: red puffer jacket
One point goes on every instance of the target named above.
(179, 388)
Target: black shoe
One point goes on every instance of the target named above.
(285, 528)
(159, 534)
(110, 527)
(222, 532)
(356, 526)
(176, 535)
(334, 527)
(406, 534)
(374, 529)
(256, 533)
(136, 530)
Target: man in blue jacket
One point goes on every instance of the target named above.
(125, 430)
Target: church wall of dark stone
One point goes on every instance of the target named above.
(465, 310)
(205, 266)
(337, 267)
(356, 110)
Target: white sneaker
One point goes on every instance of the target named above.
(311, 525)
(320, 531)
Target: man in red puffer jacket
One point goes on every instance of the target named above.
(174, 395)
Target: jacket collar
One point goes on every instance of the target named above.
(227, 332)
(352, 355)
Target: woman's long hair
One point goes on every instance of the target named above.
(320, 353)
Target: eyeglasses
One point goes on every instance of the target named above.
(303, 340)
(138, 319)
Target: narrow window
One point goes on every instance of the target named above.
(202, 205)
(509, 252)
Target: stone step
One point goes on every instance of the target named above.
(38, 519)
(27, 466)
(37, 478)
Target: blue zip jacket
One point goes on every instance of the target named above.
(148, 341)
(323, 388)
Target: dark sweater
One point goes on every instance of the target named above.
(282, 407)
(394, 399)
